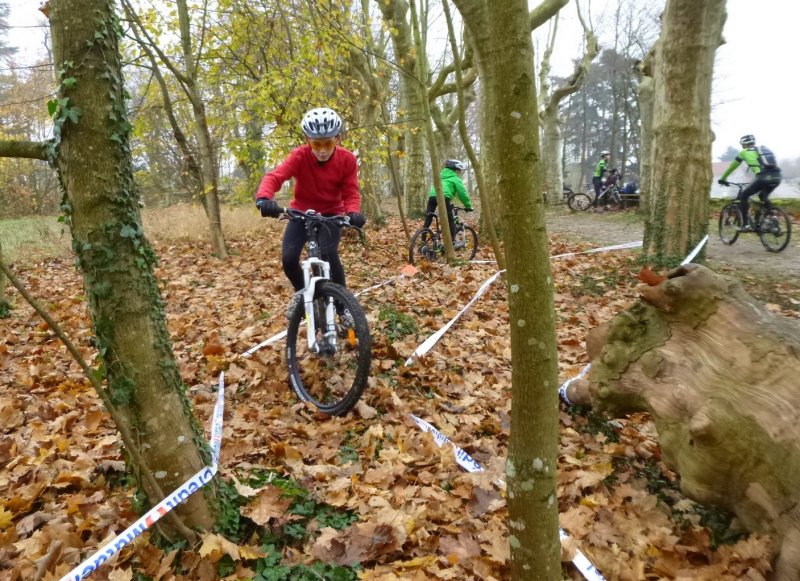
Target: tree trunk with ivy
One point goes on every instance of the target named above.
(680, 155)
(93, 160)
(718, 372)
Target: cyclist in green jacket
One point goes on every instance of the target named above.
(761, 161)
(451, 186)
(600, 170)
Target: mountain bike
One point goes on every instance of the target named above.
(771, 223)
(427, 244)
(329, 365)
(609, 198)
(566, 192)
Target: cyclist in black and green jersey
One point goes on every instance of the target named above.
(599, 173)
(765, 169)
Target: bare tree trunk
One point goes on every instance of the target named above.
(718, 372)
(645, 96)
(486, 207)
(507, 51)
(94, 164)
(414, 183)
(551, 118)
(187, 77)
(680, 158)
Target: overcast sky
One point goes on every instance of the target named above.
(755, 78)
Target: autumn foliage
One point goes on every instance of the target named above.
(416, 514)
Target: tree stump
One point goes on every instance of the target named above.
(720, 375)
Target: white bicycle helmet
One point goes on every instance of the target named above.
(321, 122)
(455, 164)
(747, 141)
(604, 152)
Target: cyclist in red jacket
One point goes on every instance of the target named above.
(326, 180)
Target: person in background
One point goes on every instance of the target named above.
(326, 180)
(762, 163)
(451, 186)
(600, 169)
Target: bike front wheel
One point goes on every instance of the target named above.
(465, 244)
(775, 229)
(424, 247)
(579, 202)
(730, 221)
(332, 373)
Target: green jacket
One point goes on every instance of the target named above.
(452, 185)
(601, 168)
(750, 157)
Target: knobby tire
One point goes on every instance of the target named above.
(335, 380)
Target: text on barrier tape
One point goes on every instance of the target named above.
(200, 479)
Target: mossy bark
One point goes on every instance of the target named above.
(718, 372)
(93, 160)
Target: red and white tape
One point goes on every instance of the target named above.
(195, 483)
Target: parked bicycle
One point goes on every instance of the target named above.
(566, 192)
(771, 223)
(610, 198)
(329, 365)
(427, 244)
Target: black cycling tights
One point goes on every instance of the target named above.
(293, 241)
(432, 205)
(763, 186)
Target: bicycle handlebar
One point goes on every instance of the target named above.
(314, 216)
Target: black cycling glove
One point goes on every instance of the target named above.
(268, 208)
(357, 219)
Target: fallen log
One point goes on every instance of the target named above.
(720, 375)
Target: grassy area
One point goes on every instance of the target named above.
(34, 238)
(790, 205)
(28, 240)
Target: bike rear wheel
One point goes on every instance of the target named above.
(730, 220)
(424, 247)
(775, 229)
(579, 202)
(335, 375)
(465, 243)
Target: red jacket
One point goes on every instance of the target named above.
(329, 188)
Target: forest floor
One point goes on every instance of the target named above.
(371, 487)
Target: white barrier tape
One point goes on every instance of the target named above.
(696, 250)
(374, 286)
(624, 246)
(469, 464)
(282, 334)
(195, 483)
(273, 339)
(428, 344)
(464, 460)
(562, 391)
(432, 340)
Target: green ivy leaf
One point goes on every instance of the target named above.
(69, 83)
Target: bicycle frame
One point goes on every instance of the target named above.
(315, 270)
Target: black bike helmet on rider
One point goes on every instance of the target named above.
(747, 141)
(455, 164)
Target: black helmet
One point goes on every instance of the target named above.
(747, 141)
(455, 164)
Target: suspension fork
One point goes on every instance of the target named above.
(310, 265)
